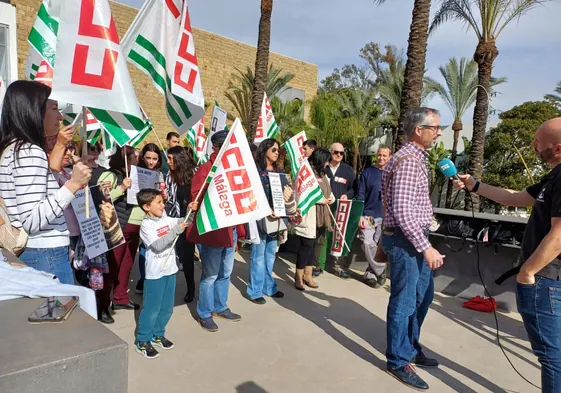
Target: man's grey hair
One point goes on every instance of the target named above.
(417, 117)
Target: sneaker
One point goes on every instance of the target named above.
(317, 272)
(163, 342)
(259, 300)
(140, 287)
(372, 282)
(146, 349)
(382, 278)
(228, 315)
(408, 376)
(278, 295)
(343, 275)
(208, 324)
(422, 361)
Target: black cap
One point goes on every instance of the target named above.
(219, 137)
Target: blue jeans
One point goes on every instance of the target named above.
(412, 291)
(540, 307)
(142, 261)
(263, 255)
(217, 263)
(157, 307)
(51, 260)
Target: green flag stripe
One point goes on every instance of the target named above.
(50, 22)
(41, 46)
(291, 155)
(201, 223)
(210, 214)
(118, 134)
(272, 130)
(311, 199)
(159, 57)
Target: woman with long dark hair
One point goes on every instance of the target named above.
(181, 170)
(150, 158)
(120, 258)
(34, 200)
(314, 223)
(263, 254)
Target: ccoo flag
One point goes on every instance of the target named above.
(160, 43)
(266, 126)
(308, 192)
(295, 148)
(235, 194)
(347, 217)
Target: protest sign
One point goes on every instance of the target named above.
(90, 228)
(277, 194)
(347, 217)
(141, 178)
(218, 123)
(235, 194)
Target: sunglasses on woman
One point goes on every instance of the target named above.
(274, 150)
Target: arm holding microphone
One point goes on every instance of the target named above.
(500, 195)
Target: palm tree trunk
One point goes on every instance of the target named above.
(457, 128)
(484, 56)
(415, 66)
(261, 64)
(356, 153)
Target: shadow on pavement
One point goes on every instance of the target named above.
(368, 327)
(249, 387)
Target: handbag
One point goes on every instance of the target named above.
(381, 256)
(11, 239)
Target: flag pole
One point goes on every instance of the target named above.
(84, 134)
(126, 162)
(159, 140)
(339, 229)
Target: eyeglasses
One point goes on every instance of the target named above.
(432, 128)
(338, 153)
(274, 150)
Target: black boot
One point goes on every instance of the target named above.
(105, 317)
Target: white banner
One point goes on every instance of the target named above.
(218, 123)
(308, 192)
(235, 194)
(90, 228)
(141, 178)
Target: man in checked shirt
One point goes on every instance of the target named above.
(408, 215)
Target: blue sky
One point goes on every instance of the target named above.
(330, 33)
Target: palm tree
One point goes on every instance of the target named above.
(459, 94)
(261, 64)
(555, 98)
(415, 68)
(362, 106)
(241, 86)
(487, 19)
(437, 179)
(390, 85)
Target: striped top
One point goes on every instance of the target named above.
(34, 200)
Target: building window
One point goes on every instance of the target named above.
(4, 53)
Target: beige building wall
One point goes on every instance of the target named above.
(218, 58)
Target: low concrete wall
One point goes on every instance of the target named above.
(79, 355)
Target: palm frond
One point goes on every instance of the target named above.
(459, 10)
(514, 10)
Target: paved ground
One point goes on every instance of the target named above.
(327, 340)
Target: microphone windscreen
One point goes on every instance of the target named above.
(448, 168)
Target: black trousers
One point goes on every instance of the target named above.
(186, 253)
(306, 255)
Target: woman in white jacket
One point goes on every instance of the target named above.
(314, 223)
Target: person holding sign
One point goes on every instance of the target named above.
(121, 258)
(150, 158)
(314, 223)
(263, 254)
(181, 170)
(34, 200)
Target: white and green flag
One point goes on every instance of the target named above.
(266, 126)
(295, 148)
(90, 70)
(235, 194)
(198, 140)
(160, 43)
(308, 192)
